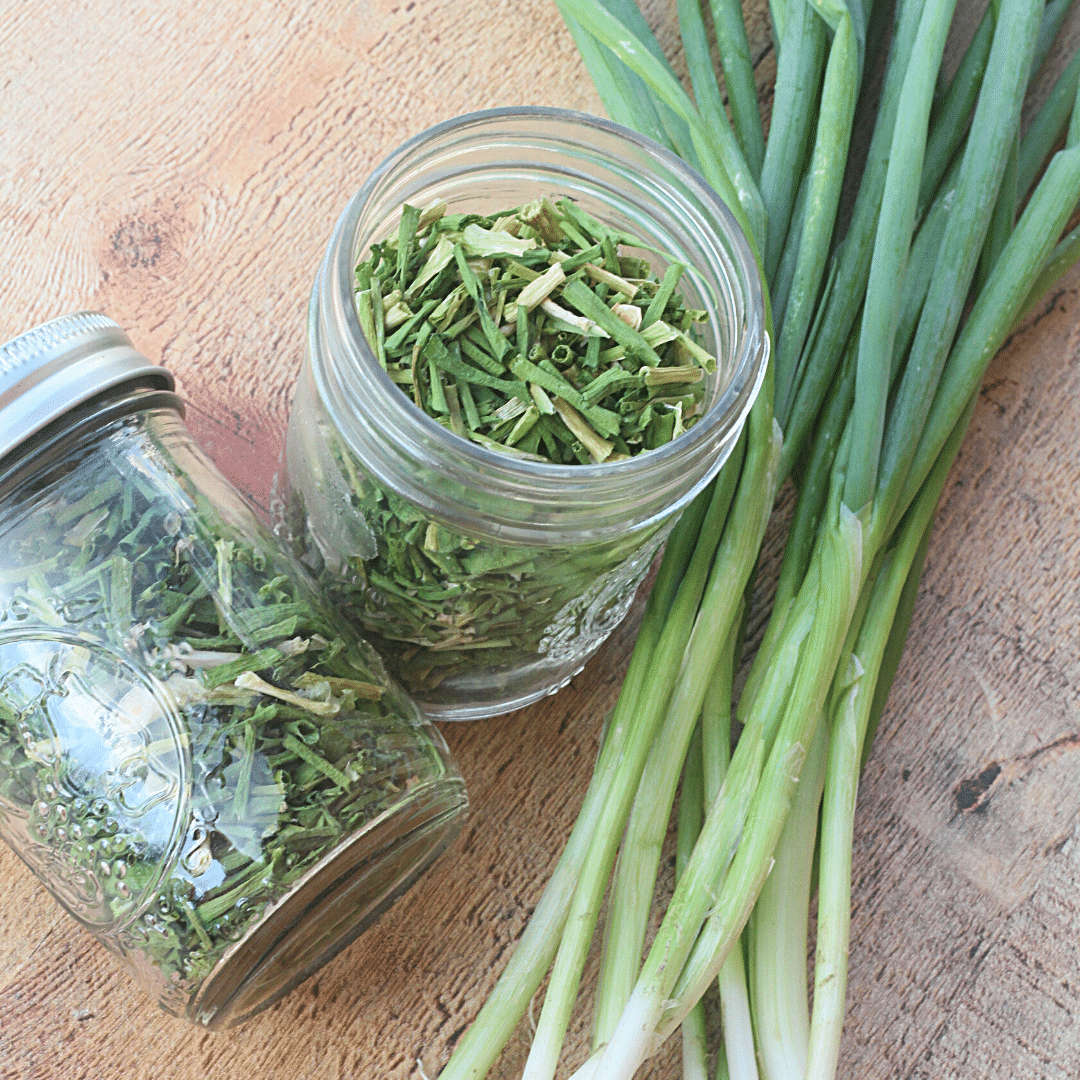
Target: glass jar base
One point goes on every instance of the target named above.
(492, 702)
(331, 905)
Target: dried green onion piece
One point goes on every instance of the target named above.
(468, 311)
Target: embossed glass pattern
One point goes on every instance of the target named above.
(487, 581)
(198, 758)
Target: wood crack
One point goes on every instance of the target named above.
(971, 795)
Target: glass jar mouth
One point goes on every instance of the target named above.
(721, 246)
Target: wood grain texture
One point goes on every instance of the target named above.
(180, 166)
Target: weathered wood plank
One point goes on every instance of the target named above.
(180, 166)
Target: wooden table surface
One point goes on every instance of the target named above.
(180, 167)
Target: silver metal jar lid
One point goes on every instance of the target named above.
(49, 370)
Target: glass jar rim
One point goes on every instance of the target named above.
(365, 378)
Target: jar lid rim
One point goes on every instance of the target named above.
(60, 364)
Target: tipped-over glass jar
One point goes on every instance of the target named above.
(199, 760)
(487, 580)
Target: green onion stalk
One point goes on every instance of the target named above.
(995, 314)
(738, 1055)
(778, 928)
(823, 181)
(637, 862)
(691, 800)
(509, 1001)
(723, 590)
(849, 720)
(798, 411)
(743, 825)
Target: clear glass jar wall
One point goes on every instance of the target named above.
(487, 581)
(200, 761)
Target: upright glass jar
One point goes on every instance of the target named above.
(486, 581)
(198, 759)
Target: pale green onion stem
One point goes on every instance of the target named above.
(851, 713)
(694, 1049)
(809, 510)
(778, 929)
(715, 618)
(738, 1057)
(994, 313)
(629, 903)
(747, 816)
(509, 1000)
(838, 561)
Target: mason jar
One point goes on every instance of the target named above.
(198, 758)
(486, 581)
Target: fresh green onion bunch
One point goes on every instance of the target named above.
(868, 395)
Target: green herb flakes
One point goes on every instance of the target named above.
(514, 302)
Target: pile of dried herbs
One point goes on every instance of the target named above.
(453, 615)
(533, 333)
(528, 332)
(284, 735)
